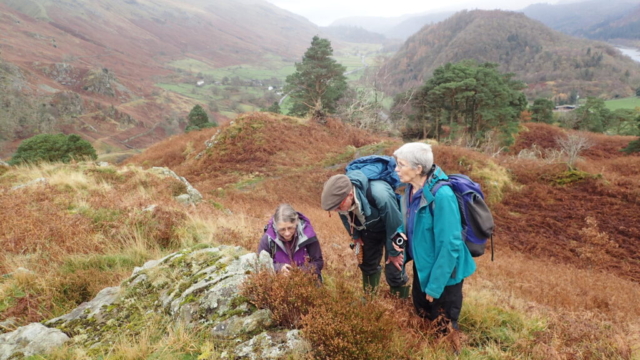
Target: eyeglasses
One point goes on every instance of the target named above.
(286, 229)
(401, 166)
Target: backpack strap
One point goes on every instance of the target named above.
(434, 190)
(272, 246)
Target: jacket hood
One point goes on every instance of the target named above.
(438, 175)
(361, 183)
(304, 232)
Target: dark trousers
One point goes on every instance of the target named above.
(374, 246)
(449, 304)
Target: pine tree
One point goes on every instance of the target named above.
(198, 117)
(593, 115)
(318, 82)
(274, 108)
(542, 111)
(471, 99)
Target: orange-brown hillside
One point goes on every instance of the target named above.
(589, 218)
(564, 283)
(55, 45)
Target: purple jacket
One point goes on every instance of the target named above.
(306, 248)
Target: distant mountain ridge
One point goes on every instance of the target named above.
(352, 34)
(59, 45)
(376, 24)
(398, 27)
(593, 19)
(551, 63)
(413, 24)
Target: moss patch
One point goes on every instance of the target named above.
(494, 178)
(572, 176)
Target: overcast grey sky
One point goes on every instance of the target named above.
(323, 12)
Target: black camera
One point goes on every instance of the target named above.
(399, 240)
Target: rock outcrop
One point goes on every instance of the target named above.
(195, 287)
(192, 195)
(30, 340)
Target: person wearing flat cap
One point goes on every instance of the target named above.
(370, 213)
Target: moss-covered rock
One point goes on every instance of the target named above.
(196, 287)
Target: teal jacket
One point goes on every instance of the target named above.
(384, 215)
(439, 253)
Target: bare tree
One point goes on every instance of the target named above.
(362, 108)
(572, 145)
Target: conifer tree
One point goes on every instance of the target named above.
(471, 99)
(198, 119)
(318, 82)
(274, 108)
(542, 111)
(593, 115)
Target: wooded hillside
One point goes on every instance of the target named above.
(551, 63)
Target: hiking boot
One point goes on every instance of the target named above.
(370, 283)
(401, 292)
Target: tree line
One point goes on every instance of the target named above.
(464, 100)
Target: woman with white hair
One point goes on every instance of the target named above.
(433, 230)
(291, 241)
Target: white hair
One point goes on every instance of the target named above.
(286, 214)
(416, 153)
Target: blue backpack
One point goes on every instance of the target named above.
(477, 221)
(377, 167)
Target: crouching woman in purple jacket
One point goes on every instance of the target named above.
(291, 241)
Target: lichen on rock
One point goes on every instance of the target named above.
(196, 287)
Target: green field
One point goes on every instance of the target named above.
(228, 92)
(626, 103)
(270, 66)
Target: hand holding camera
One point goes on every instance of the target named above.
(399, 241)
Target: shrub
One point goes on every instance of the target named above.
(288, 297)
(53, 147)
(345, 327)
(572, 145)
(633, 147)
(337, 322)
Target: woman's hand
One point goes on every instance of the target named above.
(399, 249)
(285, 269)
(429, 298)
